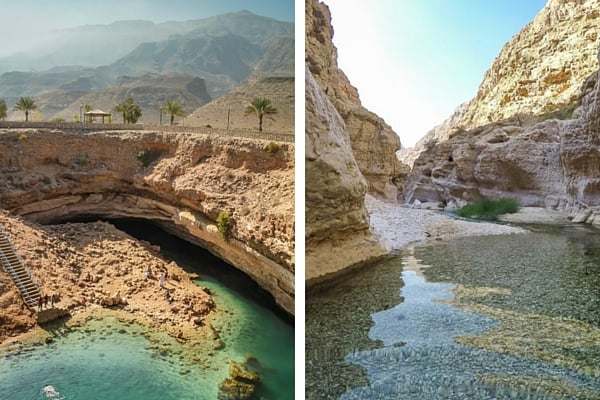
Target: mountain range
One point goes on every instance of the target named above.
(153, 62)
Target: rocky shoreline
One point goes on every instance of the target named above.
(93, 266)
(398, 226)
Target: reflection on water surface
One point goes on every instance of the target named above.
(512, 317)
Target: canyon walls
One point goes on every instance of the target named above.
(349, 151)
(181, 181)
(531, 132)
(373, 142)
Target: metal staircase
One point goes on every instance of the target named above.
(10, 259)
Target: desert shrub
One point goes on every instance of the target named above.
(57, 120)
(223, 224)
(489, 209)
(143, 157)
(22, 137)
(272, 148)
(82, 160)
(207, 126)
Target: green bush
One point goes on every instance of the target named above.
(272, 148)
(223, 223)
(488, 209)
(142, 157)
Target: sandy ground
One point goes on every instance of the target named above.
(399, 226)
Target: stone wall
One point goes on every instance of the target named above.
(72, 126)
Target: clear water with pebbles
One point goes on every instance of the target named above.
(409, 345)
(107, 359)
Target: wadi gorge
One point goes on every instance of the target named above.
(179, 180)
(530, 133)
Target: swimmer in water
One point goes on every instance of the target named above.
(49, 391)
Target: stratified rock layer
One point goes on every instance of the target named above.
(181, 181)
(372, 140)
(553, 163)
(349, 152)
(540, 70)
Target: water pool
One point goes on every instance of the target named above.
(109, 359)
(503, 317)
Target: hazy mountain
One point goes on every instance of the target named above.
(92, 45)
(224, 50)
(221, 52)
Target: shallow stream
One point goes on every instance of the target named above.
(108, 359)
(492, 317)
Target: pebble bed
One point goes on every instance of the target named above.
(491, 317)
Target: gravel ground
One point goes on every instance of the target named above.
(398, 226)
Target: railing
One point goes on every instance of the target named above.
(245, 133)
(30, 298)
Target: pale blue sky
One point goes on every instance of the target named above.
(415, 61)
(23, 20)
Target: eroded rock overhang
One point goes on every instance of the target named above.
(180, 181)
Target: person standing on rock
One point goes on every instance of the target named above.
(40, 302)
(161, 280)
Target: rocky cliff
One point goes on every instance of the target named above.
(182, 181)
(552, 163)
(539, 71)
(373, 141)
(531, 133)
(349, 151)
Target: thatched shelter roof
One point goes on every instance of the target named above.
(97, 113)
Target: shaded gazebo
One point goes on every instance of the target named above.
(95, 113)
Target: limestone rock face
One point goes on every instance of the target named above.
(373, 142)
(179, 180)
(337, 225)
(553, 163)
(540, 70)
(349, 152)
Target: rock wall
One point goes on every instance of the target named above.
(349, 152)
(373, 142)
(531, 133)
(181, 181)
(337, 232)
(540, 70)
(553, 163)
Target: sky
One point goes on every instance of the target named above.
(21, 22)
(414, 61)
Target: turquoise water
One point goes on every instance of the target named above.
(108, 359)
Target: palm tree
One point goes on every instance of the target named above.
(87, 108)
(174, 109)
(260, 106)
(26, 104)
(3, 110)
(131, 112)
